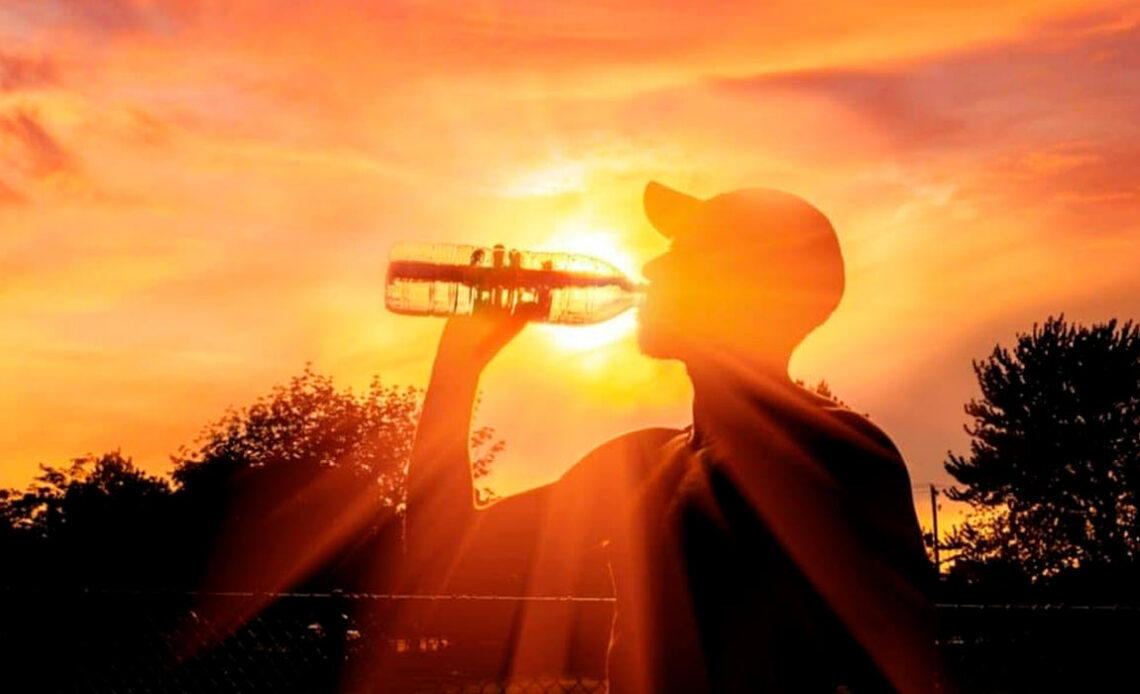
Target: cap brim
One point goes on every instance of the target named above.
(668, 210)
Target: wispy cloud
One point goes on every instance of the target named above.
(30, 146)
(22, 72)
(103, 18)
(9, 195)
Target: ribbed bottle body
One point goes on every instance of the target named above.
(446, 279)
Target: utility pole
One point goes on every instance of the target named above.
(934, 527)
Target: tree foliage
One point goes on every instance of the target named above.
(93, 518)
(92, 489)
(1054, 463)
(823, 390)
(307, 426)
(265, 482)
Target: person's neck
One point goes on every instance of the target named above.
(764, 377)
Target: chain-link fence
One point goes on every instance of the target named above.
(110, 641)
(1011, 648)
(128, 641)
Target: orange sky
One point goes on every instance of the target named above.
(196, 198)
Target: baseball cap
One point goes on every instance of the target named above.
(781, 230)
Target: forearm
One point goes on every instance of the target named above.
(440, 496)
(440, 514)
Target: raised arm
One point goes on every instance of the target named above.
(544, 541)
(440, 494)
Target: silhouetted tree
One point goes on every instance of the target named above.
(821, 389)
(307, 467)
(91, 523)
(1054, 463)
(307, 479)
(309, 425)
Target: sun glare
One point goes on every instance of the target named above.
(576, 237)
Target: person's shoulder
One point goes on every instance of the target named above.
(650, 436)
(632, 451)
(859, 432)
(866, 458)
(640, 441)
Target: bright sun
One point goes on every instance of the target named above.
(605, 245)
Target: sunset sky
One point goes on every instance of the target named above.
(197, 198)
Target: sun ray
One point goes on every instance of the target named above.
(577, 236)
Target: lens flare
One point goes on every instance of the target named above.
(577, 237)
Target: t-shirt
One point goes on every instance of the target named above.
(774, 550)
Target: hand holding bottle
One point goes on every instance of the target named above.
(473, 341)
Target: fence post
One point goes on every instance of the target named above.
(934, 528)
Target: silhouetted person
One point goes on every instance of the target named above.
(772, 546)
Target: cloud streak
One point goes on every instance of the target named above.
(19, 72)
(9, 195)
(31, 146)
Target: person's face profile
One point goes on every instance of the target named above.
(694, 293)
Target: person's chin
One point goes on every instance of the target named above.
(653, 343)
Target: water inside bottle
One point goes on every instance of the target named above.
(444, 279)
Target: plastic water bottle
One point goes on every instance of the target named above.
(445, 279)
